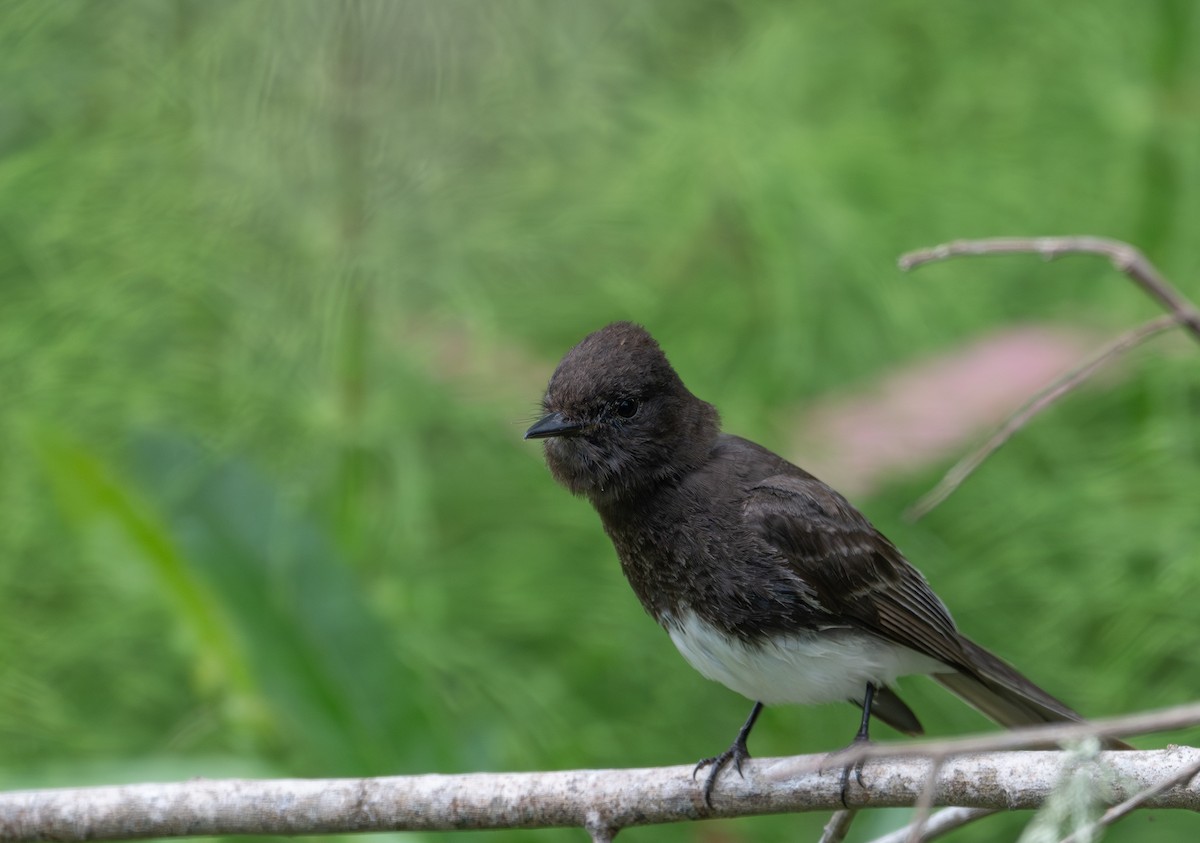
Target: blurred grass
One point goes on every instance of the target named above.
(231, 236)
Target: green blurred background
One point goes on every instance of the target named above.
(281, 282)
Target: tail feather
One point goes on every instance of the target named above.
(1001, 693)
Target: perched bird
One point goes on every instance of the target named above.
(767, 580)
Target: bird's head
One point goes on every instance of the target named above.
(618, 420)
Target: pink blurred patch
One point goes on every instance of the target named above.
(933, 410)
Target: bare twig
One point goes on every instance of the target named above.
(1123, 257)
(838, 826)
(965, 467)
(925, 804)
(943, 822)
(599, 829)
(1045, 735)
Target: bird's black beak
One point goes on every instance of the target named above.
(552, 425)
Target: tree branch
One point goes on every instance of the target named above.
(604, 801)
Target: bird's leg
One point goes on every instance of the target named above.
(736, 753)
(863, 736)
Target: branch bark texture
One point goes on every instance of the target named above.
(592, 799)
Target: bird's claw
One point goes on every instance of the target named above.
(736, 753)
(855, 766)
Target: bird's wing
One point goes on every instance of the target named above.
(857, 574)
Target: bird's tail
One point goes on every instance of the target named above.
(1000, 692)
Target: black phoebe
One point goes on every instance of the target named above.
(766, 579)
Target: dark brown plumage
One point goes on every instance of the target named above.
(766, 579)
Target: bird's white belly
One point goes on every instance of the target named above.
(832, 665)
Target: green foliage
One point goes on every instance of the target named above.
(272, 275)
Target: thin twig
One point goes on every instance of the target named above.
(1027, 737)
(943, 822)
(925, 804)
(1117, 812)
(966, 466)
(599, 829)
(1123, 256)
(838, 826)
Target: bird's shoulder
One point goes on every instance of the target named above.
(735, 465)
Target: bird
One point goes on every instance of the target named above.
(766, 579)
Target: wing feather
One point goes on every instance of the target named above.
(857, 574)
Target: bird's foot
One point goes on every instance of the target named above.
(736, 753)
(855, 766)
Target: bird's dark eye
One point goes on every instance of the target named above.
(627, 408)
